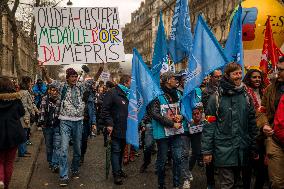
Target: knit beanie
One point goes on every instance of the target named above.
(69, 72)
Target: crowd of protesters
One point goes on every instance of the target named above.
(236, 131)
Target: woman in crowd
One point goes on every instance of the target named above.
(254, 84)
(30, 110)
(11, 131)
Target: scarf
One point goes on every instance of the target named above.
(171, 93)
(228, 87)
(125, 90)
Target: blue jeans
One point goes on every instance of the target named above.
(185, 156)
(70, 129)
(22, 149)
(175, 143)
(117, 148)
(52, 142)
(148, 144)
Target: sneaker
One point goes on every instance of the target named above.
(64, 183)
(75, 175)
(117, 180)
(190, 177)
(29, 142)
(186, 184)
(122, 174)
(1, 185)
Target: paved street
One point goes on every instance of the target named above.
(92, 175)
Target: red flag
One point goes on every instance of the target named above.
(270, 52)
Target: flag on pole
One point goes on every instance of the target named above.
(180, 41)
(143, 90)
(234, 45)
(160, 59)
(206, 56)
(270, 52)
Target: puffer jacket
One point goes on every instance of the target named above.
(231, 139)
(11, 110)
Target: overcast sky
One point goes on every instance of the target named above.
(125, 7)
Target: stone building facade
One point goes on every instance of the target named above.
(141, 31)
(26, 51)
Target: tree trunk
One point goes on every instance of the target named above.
(1, 38)
(2, 8)
(15, 32)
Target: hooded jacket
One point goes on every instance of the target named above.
(231, 139)
(11, 110)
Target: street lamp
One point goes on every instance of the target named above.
(69, 3)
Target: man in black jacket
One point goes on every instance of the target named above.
(114, 113)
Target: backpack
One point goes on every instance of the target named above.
(279, 122)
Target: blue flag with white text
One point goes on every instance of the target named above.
(160, 56)
(206, 56)
(143, 90)
(180, 41)
(234, 45)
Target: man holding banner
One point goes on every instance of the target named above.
(71, 117)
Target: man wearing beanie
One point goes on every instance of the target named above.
(71, 117)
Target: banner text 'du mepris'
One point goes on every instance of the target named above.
(61, 28)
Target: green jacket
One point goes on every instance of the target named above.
(230, 139)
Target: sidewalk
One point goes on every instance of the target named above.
(24, 166)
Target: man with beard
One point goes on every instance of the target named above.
(230, 137)
(168, 125)
(272, 110)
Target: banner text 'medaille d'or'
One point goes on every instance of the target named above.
(78, 35)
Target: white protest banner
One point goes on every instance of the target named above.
(105, 76)
(78, 35)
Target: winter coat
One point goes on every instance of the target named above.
(115, 111)
(231, 139)
(11, 110)
(30, 108)
(269, 103)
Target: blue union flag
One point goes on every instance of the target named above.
(143, 90)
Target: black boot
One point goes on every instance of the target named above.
(117, 179)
